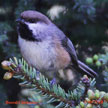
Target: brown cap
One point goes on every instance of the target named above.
(34, 15)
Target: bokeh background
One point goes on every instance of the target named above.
(85, 22)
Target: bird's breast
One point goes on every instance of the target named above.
(44, 56)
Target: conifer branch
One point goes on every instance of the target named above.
(30, 77)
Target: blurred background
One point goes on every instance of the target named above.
(85, 22)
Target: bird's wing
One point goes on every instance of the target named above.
(78, 65)
(67, 44)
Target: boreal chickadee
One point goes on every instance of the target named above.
(45, 47)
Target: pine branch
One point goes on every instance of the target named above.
(30, 77)
(44, 91)
(20, 70)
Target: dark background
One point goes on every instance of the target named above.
(85, 22)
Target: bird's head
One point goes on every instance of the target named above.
(31, 23)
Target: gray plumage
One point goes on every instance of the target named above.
(45, 46)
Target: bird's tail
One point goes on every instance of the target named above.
(87, 70)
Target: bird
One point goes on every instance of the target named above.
(45, 47)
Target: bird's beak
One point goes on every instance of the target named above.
(19, 20)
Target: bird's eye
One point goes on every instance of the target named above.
(32, 20)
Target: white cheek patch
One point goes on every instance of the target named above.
(36, 27)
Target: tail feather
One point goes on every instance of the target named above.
(83, 67)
